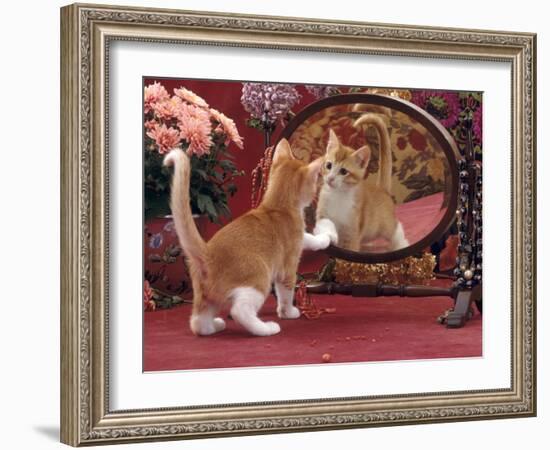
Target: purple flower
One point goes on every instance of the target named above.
(476, 124)
(155, 241)
(269, 101)
(320, 92)
(444, 106)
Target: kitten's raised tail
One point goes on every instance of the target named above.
(385, 166)
(190, 240)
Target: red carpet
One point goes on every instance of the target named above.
(418, 217)
(421, 216)
(361, 329)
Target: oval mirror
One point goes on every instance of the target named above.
(389, 180)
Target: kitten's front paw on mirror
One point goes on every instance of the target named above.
(326, 227)
(322, 241)
(288, 313)
(316, 242)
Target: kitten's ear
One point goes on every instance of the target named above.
(314, 167)
(282, 151)
(362, 156)
(333, 141)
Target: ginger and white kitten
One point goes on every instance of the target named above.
(238, 266)
(361, 212)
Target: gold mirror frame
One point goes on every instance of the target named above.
(86, 32)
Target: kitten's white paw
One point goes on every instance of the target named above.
(326, 226)
(288, 313)
(219, 324)
(271, 328)
(322, 241)
(316, 242)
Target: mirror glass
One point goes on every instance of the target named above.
(386, 181)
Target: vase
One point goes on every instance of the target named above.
(163, 260)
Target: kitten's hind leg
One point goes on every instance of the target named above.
(398, 239)
(285, 297)
(247, 302)
(204, 322)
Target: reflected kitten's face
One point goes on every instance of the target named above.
(343, 167)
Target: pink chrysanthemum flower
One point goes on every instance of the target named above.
(194, 112)
(150, 124)
(197, 134)
(228, 127)
(148, 301)
(168, 109)
(147, 292)
(190, 97)
(165, 137)
(154, 93)
(196, 130)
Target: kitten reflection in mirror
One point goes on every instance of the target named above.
(361, 211)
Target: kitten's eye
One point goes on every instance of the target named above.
(328, 165)
(343, 171)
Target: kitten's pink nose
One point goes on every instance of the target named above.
(330, 181)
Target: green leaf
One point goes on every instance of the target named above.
(227, 165)
(255, 123)
(201, 203)
(202, 173)
(231, 188)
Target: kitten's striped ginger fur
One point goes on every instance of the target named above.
(238, 266)
(360, 211)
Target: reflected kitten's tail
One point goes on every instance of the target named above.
(385, 166)
(190, 240)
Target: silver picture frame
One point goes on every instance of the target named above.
(86, 34)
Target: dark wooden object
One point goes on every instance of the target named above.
(379, 290)
(463, 302)
(455, 318)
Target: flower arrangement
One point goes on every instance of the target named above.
(320, 91)
(186, 121)
(268, 102)
(148, 302)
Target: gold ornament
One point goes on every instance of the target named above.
(405, 94)
(410, 270)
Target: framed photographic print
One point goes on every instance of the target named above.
(279, 225)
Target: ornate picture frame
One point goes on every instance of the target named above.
(87, 31)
